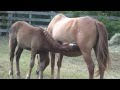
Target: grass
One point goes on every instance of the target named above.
(72, 67)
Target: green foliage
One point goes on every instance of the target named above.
(112, 26)
(104, 13)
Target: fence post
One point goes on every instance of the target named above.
(52, 14)
(30, 16)
(9, 20)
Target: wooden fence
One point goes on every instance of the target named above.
(35, 18)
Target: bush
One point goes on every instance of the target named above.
(112, 26)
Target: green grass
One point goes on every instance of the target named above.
(72, 67)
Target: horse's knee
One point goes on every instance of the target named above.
(11, 56)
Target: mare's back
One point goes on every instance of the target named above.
(68, 28)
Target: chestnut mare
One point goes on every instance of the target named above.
(88, 33)
(37, 40)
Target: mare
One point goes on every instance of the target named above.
(88, 33)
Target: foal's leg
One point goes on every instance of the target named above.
(59, 65)
(37, 70)
(44, 62)
(11, 62)
(18, 54)
(52, 64)
(33, 54)
(13, 44)
(101, 68)
(47, 60)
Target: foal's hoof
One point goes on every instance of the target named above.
(11, 75)
(37, 72)
(27, 76)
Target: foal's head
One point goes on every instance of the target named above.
(71, 47)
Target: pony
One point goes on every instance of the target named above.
(35, 39)
(88, 33)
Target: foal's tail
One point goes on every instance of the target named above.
(13, 38)
(101, 47)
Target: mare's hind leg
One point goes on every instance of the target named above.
(89, 62)
(86, 52)
(13, 44)
(52, 64)
(59, 63)
(101, 67)
(18, 54)
(44, 62)
(33, 54)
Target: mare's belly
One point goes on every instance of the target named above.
(63, 36)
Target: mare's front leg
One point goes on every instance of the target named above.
(33, 54)
(52, 64)
(59, 63)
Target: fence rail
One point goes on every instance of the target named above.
(35, 18)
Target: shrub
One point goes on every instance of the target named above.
(111, 25)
